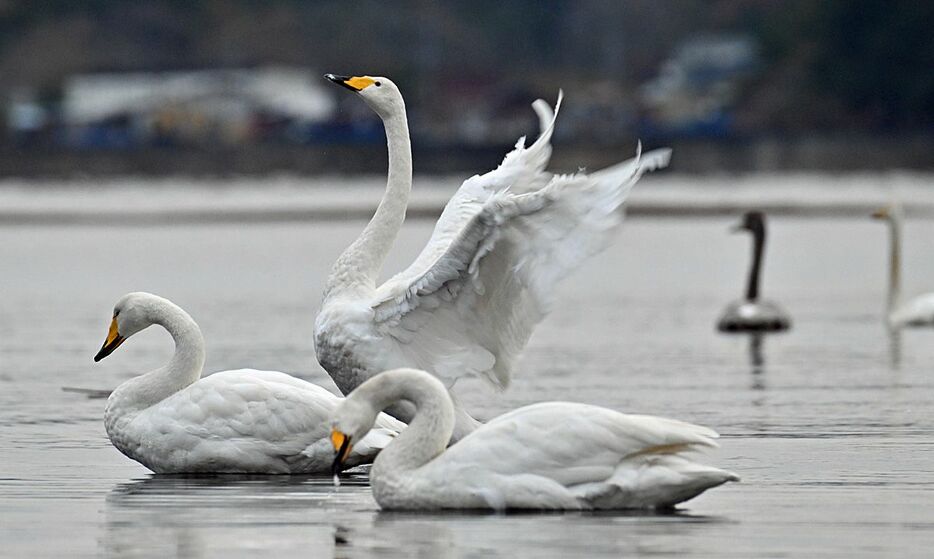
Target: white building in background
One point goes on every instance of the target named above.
(221, 105)
(698, 84)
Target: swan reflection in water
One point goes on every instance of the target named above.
(895, 347)
(207, 516)
(445, 534)
(757, 360)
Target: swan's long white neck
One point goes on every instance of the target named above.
(428, 432)
(895, 261)
(358, 267)
(182, 370)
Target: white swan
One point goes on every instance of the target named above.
(918, 311)
(246, 421)
(554, 455)
(753, 314)
(471, 299)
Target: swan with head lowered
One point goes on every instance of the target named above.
(245, 421)
(754, 314)
(552, 456)
(917, 311)
(469, 302)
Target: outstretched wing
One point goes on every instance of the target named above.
(522, 168)
(470, 302)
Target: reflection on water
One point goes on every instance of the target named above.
(90, 393)
(756, 356)
(895, 347)
(756, 360)
(207, 515)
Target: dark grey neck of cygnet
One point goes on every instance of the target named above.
(757, 228)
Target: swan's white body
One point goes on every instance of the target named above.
(553, 456)
(244, 421)
(917, 311)
(469, 302)
(753, 316)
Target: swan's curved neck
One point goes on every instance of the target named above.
(758, 251)
(895, 262)
(428, 432)
(182, 370)
(360, 264)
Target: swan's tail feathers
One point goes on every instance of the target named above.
(674, 479)
(654, 481)
(660, 474)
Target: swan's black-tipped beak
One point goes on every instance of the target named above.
(342, 452)
(109, 347)
(341, 81)
(113, 341)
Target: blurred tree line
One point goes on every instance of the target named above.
(863, 65)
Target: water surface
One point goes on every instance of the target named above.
(830, 426)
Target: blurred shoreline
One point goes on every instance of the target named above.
(809, 153)
(166, 201)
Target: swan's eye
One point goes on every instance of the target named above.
(377, 84)
(116, 312)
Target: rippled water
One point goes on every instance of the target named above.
(832, 432)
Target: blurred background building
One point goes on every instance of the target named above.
(168, 86)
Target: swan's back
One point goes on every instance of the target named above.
(243, 421)
(561, 455)
(754, 316)
(918, 312)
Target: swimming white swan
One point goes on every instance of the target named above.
(246, 421)
(918, 311)
(554, 455)
(753, 314)
(471, 299)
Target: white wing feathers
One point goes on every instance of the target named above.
(267, 413)
(383, 432)
(602, 439)
(522, 168)
(470, 301)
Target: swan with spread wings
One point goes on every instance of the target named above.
(469, 302)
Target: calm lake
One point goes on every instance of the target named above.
(830, 426)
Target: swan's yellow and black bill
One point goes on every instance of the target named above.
(342, 445)
(353, 83)
(881, 213)
(113, 341)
